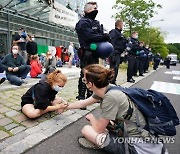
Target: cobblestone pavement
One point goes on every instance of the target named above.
(18, 133)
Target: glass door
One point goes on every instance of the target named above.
(3, 44)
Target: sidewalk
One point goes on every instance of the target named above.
(18, 133)
(70, 73)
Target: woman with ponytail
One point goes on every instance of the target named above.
(41, 98)
(107, 131)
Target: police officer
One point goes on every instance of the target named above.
(119, 43)
(89, 31)
(133, 51)
(146, 58)
(156, 59)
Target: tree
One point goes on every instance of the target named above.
(174, 48)
(135, 13)
(155, 39)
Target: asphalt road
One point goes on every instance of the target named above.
(65, 141)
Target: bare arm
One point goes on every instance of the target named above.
(82, 103)
(56, 107)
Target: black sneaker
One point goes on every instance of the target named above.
(83, 108)
(2, 80)
(80, 97)
(131, 80)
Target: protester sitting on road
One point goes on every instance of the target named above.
(2, 80)
(36, 67)
(49, 63)
(15, 67)
(114, 105)
(41, 98)
(42, 58)
(59, 62)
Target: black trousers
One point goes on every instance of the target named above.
(87, 59)
(140, 65)
(115, 61)
(131, 65)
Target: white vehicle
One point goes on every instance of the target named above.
(173, 59)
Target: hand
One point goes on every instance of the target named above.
(62, 107)
(15, 69)
(107, 37)
(10, 69)
(89, 116)
(59, 111)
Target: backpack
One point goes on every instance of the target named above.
(160, 115)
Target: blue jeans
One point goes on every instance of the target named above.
(16, 79)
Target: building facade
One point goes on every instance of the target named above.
(33, 16)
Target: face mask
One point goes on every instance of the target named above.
(57, 88)
(136, 36)
(14, 51)
(33, 39)
(92, 15)
(50, 57)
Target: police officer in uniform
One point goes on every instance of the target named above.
(133, 51)
(119, 43)
(146, 58)
(89, 31)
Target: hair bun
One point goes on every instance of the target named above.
(109, 74)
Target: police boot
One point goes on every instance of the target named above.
(82, 91)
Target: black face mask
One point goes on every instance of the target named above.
(92, 15)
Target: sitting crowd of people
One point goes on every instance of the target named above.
(17, 68)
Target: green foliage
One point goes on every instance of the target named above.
(135, 13)
(177, 45)
(155, 38)
(174, 48)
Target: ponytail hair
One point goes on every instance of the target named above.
(56, 76)
(99, 75)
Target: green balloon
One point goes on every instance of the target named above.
(93, 46)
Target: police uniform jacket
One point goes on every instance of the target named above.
(89, 31)
(118, 40)
(134, 45)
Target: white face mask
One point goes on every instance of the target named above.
(57, 88)
(14, 51)
(136, 36)
(33, 38)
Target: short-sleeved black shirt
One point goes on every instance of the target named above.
(43, 94)
(22, 45)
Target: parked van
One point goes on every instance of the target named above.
(173, 59)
